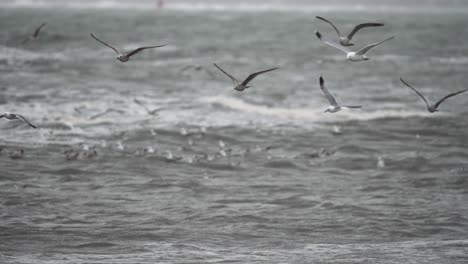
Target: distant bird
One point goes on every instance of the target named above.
(359, 55)
(334, 106)
(108, 110)
(17, 117)
(198, 68)
(71, 154)
(432, 108)
(149, 111)
(16, 154)
(125, 57)
(346, 40)
(380, 162)
(241, 86)
(35, 35)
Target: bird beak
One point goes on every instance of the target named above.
(326, 111)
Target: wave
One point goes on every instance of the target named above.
(450, 60)
(310, 114)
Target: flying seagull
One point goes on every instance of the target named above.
(432, 108)
(346, 40)
(359, 55)
(16, 117)
(334, 106)
(149, 111)
(241, 86)
(125, 57)
(35, 35)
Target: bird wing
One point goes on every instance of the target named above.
(420, 95)
(230, 76)
(2, 116)
(38, 29)
(26, 121)
(371, 46)
(436, 105)
(255, 74)
(361, 26)
(336, 29)
(327, 93)
(142, 48)
(331, 43)
(102, 42)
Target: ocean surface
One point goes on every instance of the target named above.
(159, 160)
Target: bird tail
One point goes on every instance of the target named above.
(352, 106)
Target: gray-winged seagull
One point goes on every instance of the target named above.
(241, 86)
(124, 57)
(10, 116)
(359, 55)
(346, 40)
(432, 108)
(334, 106)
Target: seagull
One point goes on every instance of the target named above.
(432, 108)
(108, 110)
(149, 111)
(16, 154)
(334, 106)
(241, 86)
(15, 117)
(125, 57)
(35, 35)
(346, 40)
(359, 55)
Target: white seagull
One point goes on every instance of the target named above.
(125, 57)
(334, 106)
(241, 86)
(35, 35)
(10, 116)
(432, 108)
(359, 55)
(346, 40)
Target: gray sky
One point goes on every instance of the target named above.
(412, 3)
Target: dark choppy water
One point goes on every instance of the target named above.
(255, 177)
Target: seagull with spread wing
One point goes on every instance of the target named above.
(241, 86)
(345, 40)
(10, 116)
(434, 107)
(35, 35)
(334, 106)
(124, 57)
(359, 55)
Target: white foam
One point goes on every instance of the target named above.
(313, 113)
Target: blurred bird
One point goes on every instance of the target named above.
(16, 154)
(345, 40)
(434, 107)
(359, 55)
(241, 86)
(149, 111)
(17, 117)
(35, 35)
(109, 110)
(124, 57)
(334, 106)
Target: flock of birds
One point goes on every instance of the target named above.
(343, 44)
